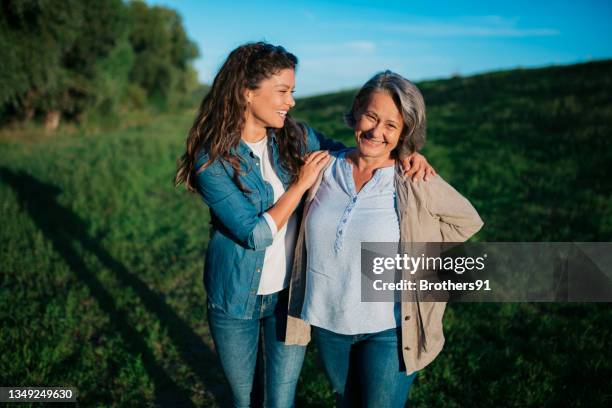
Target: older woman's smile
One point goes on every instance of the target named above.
(378, 126)
(370, 140)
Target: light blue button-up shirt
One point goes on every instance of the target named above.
(338, 221)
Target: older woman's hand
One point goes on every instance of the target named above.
(416, 166)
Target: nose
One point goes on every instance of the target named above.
(378, 131)
(291, 101)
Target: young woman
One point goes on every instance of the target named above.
(250, 163)
(372, 350)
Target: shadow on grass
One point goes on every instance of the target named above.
(64, 229)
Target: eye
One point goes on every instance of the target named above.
(391, 126)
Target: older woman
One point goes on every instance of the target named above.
(372, 350)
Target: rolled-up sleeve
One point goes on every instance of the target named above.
(262, 236)
(232, 208)
(271, 224)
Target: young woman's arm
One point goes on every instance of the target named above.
(239, 215)
(318, 141)
(288, 202)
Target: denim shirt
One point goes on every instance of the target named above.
(239, 233)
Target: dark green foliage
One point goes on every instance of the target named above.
(77, 58)
(102, 259)
(67, 58)
(162, 54)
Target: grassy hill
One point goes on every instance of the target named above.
(101, 257)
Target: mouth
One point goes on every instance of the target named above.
(371, 141)
(282, 114)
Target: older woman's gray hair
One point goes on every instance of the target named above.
(409, 102)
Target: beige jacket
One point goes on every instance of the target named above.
(430, 211)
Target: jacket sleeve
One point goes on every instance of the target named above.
(230, 205)
(458, 218)
(317, 141)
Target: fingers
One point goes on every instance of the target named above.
(323, 162)
(309, 157)
(410, 170)
(314, 164)
(420, 169)
(406, 163)
(315, 157)
(429, 173)
(418, 176)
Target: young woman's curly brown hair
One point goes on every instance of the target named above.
(220, 119)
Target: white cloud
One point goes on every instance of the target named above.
(361, 46)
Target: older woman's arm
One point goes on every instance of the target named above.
(458, 218)
(415, 165)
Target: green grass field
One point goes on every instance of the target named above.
(101, 257)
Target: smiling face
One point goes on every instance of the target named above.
(267, 106)
(378, 126)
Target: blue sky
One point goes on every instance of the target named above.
(341, 44)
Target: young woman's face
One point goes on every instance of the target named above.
(268, 105)
(378, 126)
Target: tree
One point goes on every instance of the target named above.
(162, 54)
(74, 58)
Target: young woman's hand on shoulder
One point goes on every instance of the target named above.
(314, 163)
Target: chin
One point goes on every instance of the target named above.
(277, 123)
(368, 153)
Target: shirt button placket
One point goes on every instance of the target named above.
(342, 226)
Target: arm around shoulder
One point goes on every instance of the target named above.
(317, 140)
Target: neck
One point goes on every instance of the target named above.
(369, 164)
(252, 132)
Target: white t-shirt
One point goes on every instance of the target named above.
(279, 256)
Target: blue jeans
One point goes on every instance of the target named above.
(237, 342)
(365, 369)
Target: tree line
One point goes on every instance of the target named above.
(73, 59)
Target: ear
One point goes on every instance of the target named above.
(248, 94)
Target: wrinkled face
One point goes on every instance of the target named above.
(268, 105)
(378, 126)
